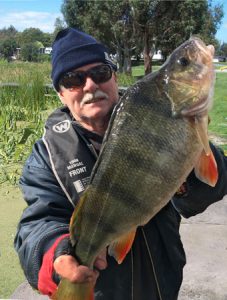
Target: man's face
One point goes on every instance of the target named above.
(91, 102)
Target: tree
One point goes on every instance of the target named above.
(9, 32)
(75, 12)
(146, 15)
(150, 24)
(212, 21)
(223, 50)
(120, 32)
(108, 21)
(31, 35)
(47, 39)
(187, 18)
(58, 26)
(30, 51)
(90, 16)
(8, 48)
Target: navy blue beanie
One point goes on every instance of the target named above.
(73, 49)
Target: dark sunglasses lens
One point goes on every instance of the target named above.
(73, 79)
(101, 74)
(77, 79)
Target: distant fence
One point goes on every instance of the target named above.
(47, 86)
(15, 84)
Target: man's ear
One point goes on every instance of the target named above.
(115, 77)
(61, 96)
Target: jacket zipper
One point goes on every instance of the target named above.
(152, 263)
(132, 289)
(93, 150)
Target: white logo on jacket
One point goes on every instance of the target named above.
(62, 126)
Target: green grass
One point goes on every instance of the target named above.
(139, 70)
(218, 114)
(23, 71)
(11, 206)
(219, 65)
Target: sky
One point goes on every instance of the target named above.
(222, 31)
(43, 13)
(23, 14)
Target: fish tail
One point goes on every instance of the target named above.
(74, 291)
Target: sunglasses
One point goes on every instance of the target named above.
(77, 79)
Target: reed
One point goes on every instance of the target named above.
(22, 112)
(19, 71)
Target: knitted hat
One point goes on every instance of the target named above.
(73, 49)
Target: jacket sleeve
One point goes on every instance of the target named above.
(46, 217)
(198, 195)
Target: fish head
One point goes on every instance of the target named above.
(188, 78)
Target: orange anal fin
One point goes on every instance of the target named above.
(119, 248)
(74, 291)
(206, 169)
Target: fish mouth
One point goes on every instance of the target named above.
(207, 51)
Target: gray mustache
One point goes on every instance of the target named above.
(91, 97)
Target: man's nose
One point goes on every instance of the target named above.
(90, 85)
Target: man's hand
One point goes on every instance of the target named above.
(67, 266)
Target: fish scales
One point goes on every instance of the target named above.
(148, 151)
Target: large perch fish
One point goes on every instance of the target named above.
(156, 136)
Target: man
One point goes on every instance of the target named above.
(56, 175)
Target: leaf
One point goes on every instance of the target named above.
(26, 133)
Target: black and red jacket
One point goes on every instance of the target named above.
(153, 268)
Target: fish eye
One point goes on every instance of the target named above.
(184, 62)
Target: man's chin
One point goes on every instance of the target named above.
(97, 110)
(98, 114)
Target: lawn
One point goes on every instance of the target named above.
(218, 114)
(11, 206)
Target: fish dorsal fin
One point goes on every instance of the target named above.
(120, 248)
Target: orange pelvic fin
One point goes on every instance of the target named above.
(206, 168)
(119, 248)
(74, 291)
